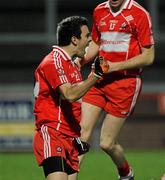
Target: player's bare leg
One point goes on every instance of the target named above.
(81, 158)
(90, 115)
(57, 176)
(72, 176)
(109, 133)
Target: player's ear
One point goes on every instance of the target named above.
(74, 40)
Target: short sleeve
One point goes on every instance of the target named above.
(95, 33)
(56, 73)
(144, 27)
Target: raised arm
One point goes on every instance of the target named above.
(73, 92)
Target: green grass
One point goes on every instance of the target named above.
(148, 165)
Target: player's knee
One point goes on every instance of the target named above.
(106, 145)
(111, 148)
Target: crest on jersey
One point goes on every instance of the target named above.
(75, 75)
(60, 71)
(112, 24)
(123, 25)
(129, 18)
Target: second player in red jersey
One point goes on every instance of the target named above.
(122, 35)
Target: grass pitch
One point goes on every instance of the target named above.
(147, 165)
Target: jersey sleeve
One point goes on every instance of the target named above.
(56, 73)
(145, 33)
(95, 33)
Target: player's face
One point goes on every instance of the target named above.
(116, 4)
(84, 41)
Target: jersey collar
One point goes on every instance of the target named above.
(127, 5)
(63, 53)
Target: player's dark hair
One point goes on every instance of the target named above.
(69, 27)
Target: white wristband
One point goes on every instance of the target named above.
(96, 75)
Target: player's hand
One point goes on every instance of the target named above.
(98, 72)
(83, 147)
(105, 66)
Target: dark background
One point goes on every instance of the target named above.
(27, 33)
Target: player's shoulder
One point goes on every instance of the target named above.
(139, 9)
(60, 54)
(46, 61)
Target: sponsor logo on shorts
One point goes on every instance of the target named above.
(59, 149)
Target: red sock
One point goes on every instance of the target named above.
(124, 169)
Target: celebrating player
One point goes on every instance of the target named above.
(57, 110)
(122, 35)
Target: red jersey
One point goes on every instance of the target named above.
(122, 34)
(50, 108)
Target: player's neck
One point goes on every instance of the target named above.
(68, 50)
(117, 8)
